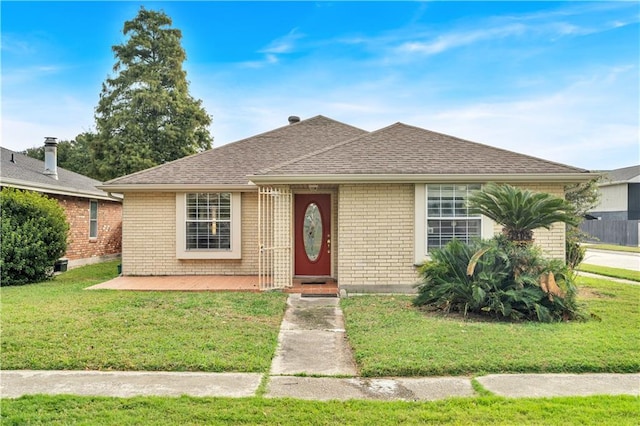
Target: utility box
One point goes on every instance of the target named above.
(61, 265)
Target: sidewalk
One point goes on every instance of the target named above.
(604, 277)
(312, 342)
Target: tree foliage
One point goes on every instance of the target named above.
(520, 211)
(145, 115)
(34, 236)
(584, 196)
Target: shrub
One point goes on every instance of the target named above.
(575, 252)
(520, 211)
(34, 236)
(498, 278)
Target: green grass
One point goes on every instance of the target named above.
(392, 338)
(613, 247)
(63, 410)
(59, 325)
(610, 272)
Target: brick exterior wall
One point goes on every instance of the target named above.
(372, 242)
(82, 249)
(149, 239)
(375, 235)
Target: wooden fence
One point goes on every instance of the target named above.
(619, 232)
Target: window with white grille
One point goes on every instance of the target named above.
(208, 221)
(448, 217)
(208, 225)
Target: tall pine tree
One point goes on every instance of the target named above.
(146, 115)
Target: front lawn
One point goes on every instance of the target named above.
(57, 325)
(390, 337)
(611, 247)
(64, 410)
(607, 271)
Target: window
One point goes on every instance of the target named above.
(208, 225)
(93, 219)
(448, 217)
(208, 221)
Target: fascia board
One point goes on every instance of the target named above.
(50, 189)
(176, 187)
(421, 178)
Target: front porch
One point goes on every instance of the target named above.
(211, 283)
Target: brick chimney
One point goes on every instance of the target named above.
(51, 157)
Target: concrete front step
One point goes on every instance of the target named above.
(315, 287)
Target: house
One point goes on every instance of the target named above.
(94, 216)
(318, 198)
(618, 211)
(619, 195)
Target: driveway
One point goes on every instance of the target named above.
(613, 259)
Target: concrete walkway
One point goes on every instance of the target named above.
(312, 339)
(312, 342)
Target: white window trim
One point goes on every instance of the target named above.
(236, 232)
(91, 237)
(420, 237)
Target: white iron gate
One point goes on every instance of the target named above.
(274, 237)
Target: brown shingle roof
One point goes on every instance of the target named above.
(231, 164)
(29, 172)
(403, 149)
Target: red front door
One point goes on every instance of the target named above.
(312, 234)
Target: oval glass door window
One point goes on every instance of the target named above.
(312, 230)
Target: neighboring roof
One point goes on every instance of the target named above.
(401, 149)
(322, 150)
(624, 175)
(28, 173)
(231, 164)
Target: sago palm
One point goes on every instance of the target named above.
(520, 211)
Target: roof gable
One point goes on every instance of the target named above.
(28, 173)
(403, 149)
(231, 164)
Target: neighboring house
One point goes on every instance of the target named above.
(94, 216)
(618, 212)
(319, 198)
(619, 195)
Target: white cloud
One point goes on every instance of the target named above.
(284, 44)
(553, 24)
(269, 59)
(31, 73)
(461, 38)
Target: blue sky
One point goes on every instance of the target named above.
(557, 80)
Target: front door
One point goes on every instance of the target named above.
(312, 234)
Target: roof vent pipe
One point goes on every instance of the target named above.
(51, 157)
(294, 119)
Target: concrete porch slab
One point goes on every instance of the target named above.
(182, 283)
